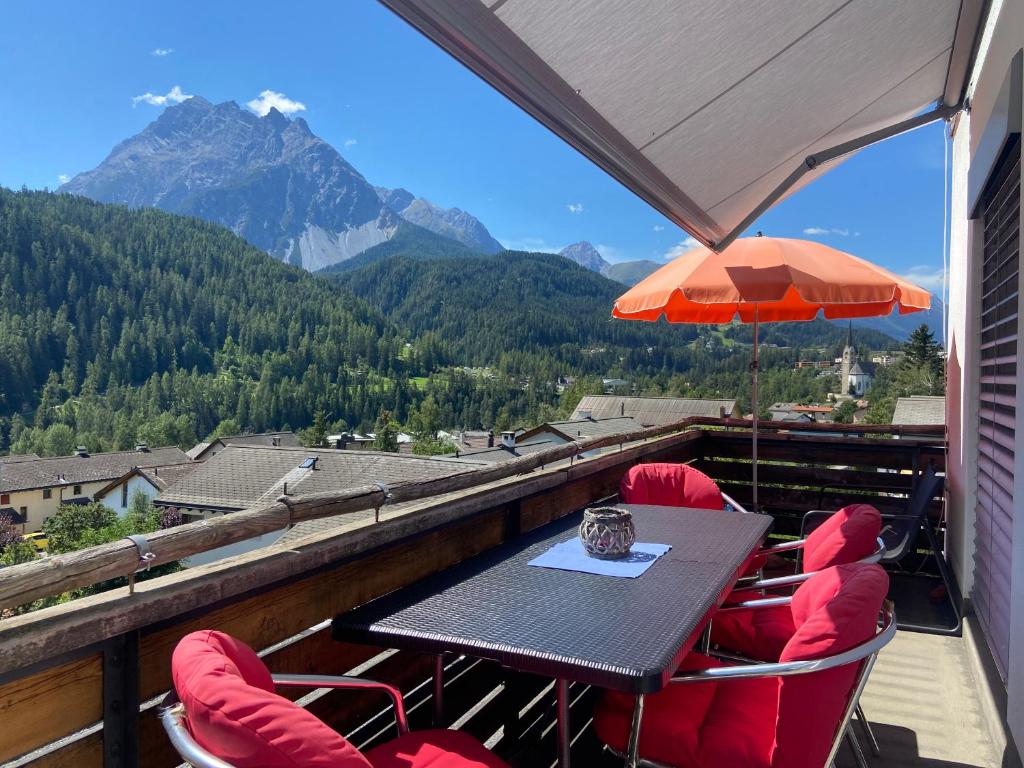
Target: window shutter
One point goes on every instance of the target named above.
(998, 408)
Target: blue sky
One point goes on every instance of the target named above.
(404, 114)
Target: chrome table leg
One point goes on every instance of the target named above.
(439, 690)
(564, 729)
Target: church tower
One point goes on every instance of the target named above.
(849, 360)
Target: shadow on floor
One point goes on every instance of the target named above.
(899, 750)
(920, 601)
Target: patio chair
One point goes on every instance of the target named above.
(228, 716)
(789, 714)
(899, 536)
(851, 535)
(673, 485)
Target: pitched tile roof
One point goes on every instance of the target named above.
(266, 439)
(573, 429)
(652, 411)
(158, 477)
(920, 409)
(74, 470)
(500, 453)
(241, 476)
(16, 457)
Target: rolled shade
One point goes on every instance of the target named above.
(704, 107)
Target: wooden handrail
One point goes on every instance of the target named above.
(23, 583)
(20, 584)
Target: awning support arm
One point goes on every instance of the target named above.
(942, 112)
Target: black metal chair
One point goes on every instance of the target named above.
(899, 535)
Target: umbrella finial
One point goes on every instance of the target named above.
(760, 233)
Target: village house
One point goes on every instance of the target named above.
(205, 451)
(149, 481)
(32, 491)
(245, 476)
(654, 411)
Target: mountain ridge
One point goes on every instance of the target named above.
(268, 179)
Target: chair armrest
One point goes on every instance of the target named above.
(748, 605)
(354, 683)
(800, 578)
(172, 717)
(785, 546)
(734, 504)
(783, 669)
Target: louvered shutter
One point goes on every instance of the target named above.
(1000, 214)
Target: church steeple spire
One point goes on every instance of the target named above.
(849, 334)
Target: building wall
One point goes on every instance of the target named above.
(39, 508)
(962, 395)
(114, 497)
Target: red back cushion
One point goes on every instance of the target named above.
(833, 611)
(670, 485)
(233, 713)
(845, 537)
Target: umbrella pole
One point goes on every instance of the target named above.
(753, 410)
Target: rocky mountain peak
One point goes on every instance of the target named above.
(269, 179)
(586, 255)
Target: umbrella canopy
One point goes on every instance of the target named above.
(783, 279)
(768, 279)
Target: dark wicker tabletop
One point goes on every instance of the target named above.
(628, 634)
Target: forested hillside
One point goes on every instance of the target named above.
(111, 319)
(119, 325)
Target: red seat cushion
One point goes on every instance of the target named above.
(436, 749)
(232, 712)
(697, 725)
(833, 611)
(757, 634)
(845, 537)
(670, 485)
(783, 722)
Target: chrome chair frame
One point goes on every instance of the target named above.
(172, 713)
(734, 504)
(799, 578)
(866, 652)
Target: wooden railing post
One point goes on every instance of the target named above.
(121, 701)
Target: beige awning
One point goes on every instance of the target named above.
(707, 109)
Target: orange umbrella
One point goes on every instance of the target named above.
(768, 279)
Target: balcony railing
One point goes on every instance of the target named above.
(79, 681)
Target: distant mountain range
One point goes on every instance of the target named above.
(268, 179)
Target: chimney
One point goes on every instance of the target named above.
(622, 408)
(508, 439)
(490, 438)
(81, 451)
(275, 441)
(285, 491)
(142, 448)
(586, 413)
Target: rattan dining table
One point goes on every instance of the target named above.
(628, 634)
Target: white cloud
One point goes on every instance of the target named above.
(927, 277)
(678, 250)
(350, 143)
(267, 99)
(537, 244)
(658, 228)
(174, 96)
(575, 207)
(840, 231)
(161, 52)
(63, 178)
